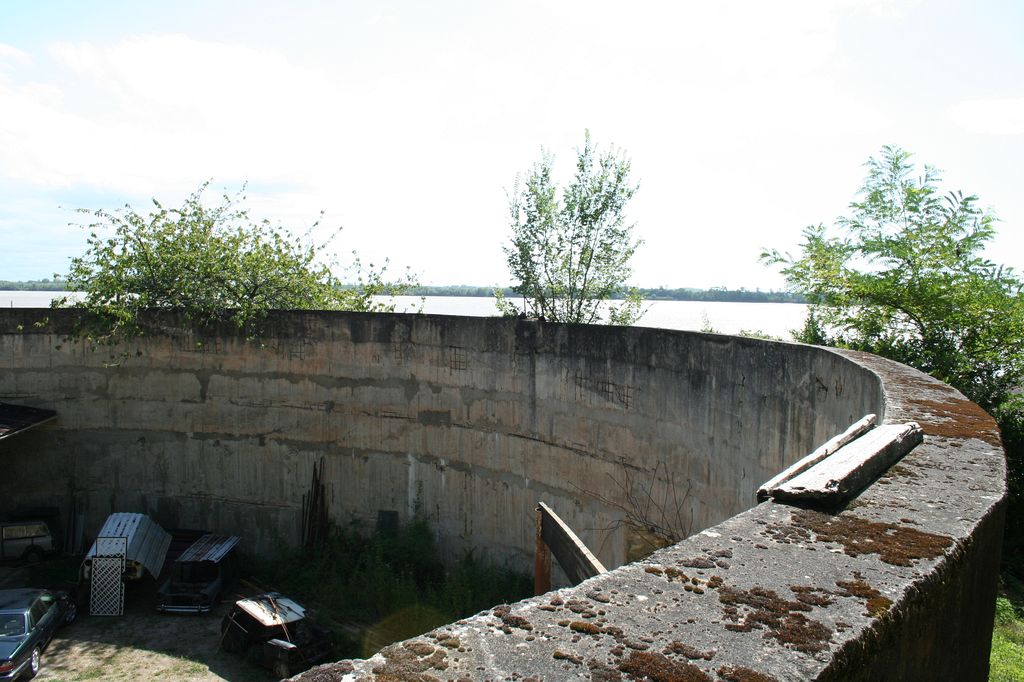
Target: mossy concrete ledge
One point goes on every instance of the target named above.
(473, 421)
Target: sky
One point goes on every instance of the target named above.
(406, 123)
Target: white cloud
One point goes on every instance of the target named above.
(9, 53)
(1001, 116)
(879, 8)
(156, 112)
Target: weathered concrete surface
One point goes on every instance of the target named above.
(479, 419)
(476, 419)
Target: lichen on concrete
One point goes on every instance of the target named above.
(895, 544)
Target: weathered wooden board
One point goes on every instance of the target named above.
(830, 446)
(572, 555)
(841, 476)
(542, 558)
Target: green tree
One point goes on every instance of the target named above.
(570, 250)
(904, 276)
(211, 264)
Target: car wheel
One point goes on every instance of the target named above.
(33, 665)
(71, 614)
(33, 555)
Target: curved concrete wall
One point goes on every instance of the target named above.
(475, 420)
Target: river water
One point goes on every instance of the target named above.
(776, 319)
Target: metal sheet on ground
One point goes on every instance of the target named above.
(15, 419)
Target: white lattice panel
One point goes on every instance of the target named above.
(106, 588)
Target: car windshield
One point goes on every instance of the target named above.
(12, 624)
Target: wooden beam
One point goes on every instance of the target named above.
(844, 474)
(541, 559)
(572, 555)
(830, 446)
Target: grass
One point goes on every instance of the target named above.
(376, 590)
(1006, 661)
(185, 667)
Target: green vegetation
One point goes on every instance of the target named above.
(721, 294)
(1006, 661)
(383, 589)
(716, 294)
(570, 250)
(211, 264)
(33, 285)
(707, 328)
(659, 294)
(465, 290)
(904, 277)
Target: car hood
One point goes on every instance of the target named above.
(10, 645)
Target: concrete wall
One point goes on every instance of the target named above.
(474, 419)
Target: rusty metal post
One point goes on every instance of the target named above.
(542, 559)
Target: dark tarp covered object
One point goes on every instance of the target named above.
(17, 418)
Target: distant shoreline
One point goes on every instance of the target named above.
(32, 285)
(716, 294)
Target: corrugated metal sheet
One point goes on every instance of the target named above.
(210, 548)
(272, 609)
(147, 541)
(17, 418)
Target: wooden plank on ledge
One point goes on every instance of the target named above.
(856, 430)
(841, 476)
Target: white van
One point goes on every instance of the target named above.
(28, 540)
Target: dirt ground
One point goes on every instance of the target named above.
(141, 645)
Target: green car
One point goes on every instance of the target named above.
(28, 620)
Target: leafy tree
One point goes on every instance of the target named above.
(904, 277)
(212, 264)
(570, 251)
